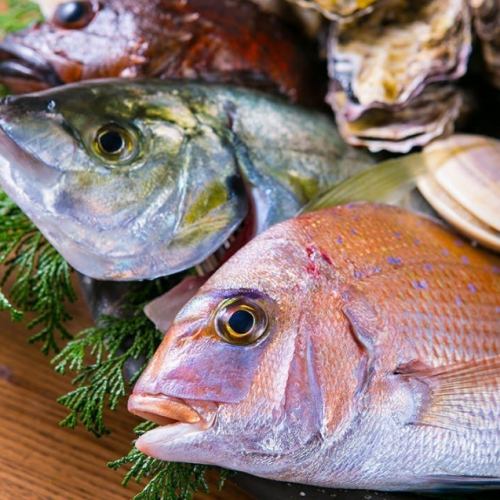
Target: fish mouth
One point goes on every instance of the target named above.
(23, 69)
(177, 420)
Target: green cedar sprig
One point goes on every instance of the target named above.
(19, 14)
(41, 284)
(167, 480)
(99, 355)
(41, 278)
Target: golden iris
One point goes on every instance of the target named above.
(240, 321)
(115, 143)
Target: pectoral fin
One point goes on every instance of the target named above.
(463, 395)
(162, 310)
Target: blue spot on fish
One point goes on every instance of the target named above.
(445, 252)
(472, 288)
(459, 243)
(397, 235)
(420, 284)
(416, 241)
(465, 259)
(340, 240)
(428, 267)
(458, 301)
(353, 231)
(394, 260)
(358, 274)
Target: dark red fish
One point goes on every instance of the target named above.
(227, 41)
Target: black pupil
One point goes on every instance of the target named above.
(241, 322)
(71, 12)
(111, 142)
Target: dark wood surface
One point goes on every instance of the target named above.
(40, 460)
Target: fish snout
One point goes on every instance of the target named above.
(161, 409)
(23, 69)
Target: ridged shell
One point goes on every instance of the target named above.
(386, 60)
(465, 189)
(335, 9)
(400, 128)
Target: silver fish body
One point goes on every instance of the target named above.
(134, 180)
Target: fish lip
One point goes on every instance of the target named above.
(22, 62)
(169, 412)
(163, 410)
(176, 433)
(159, 409)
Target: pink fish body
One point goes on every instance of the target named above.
(355, 347)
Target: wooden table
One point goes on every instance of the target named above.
(40, 460)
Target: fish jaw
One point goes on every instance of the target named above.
(181, 426)
(176, 442)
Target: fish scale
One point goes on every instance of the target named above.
(370, 374)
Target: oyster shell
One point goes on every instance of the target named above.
(486, 15)
(335, 9)
(382, 64)
(465, 188)
(400, 128)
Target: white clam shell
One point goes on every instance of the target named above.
(465, 188)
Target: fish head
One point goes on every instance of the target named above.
(122, 179)
(80, 40)
(243, 359)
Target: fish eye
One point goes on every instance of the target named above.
(115, 143)
(240, 321)
(74, 14)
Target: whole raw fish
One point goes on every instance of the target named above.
(139, 179)
(224, 41)
(352, 347)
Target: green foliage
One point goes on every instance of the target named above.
(102, 383)
(40, 284)
(99, 355)
(167, 480)
(41, 281)
(17, 15)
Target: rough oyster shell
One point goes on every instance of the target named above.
(390, 55)
(465, 189)
(400, 128)
(335, 9)
(381, 63)
(486, 15)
